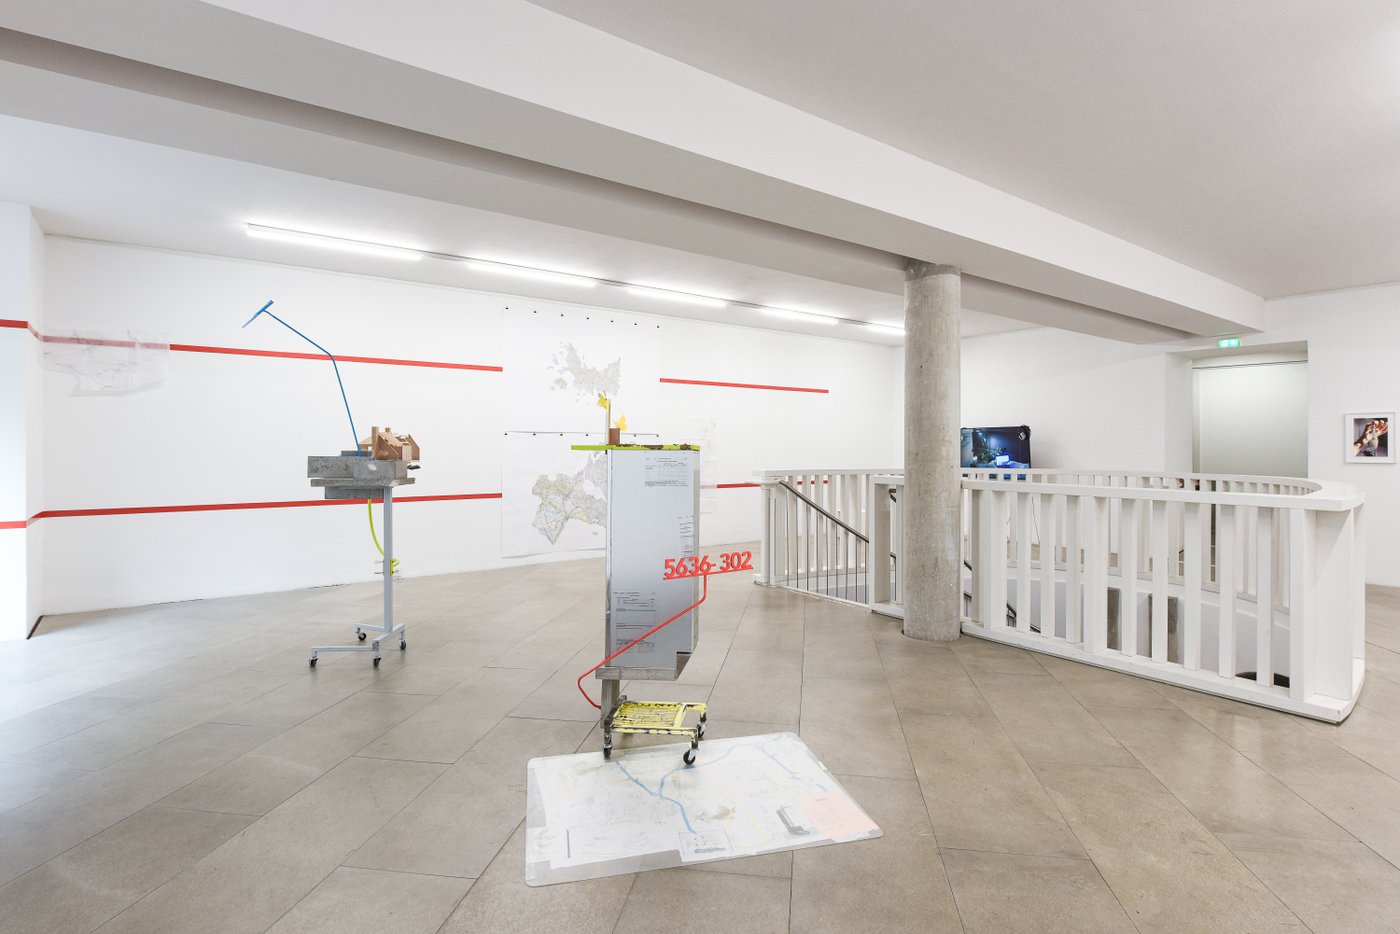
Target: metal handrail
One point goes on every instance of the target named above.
(790, 489)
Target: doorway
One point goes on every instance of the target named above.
(1251, 414)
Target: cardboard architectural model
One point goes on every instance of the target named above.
(384, 445)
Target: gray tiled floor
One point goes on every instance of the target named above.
(179, 768)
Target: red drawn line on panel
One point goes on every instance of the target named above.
(707, 382)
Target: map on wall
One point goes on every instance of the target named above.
(553, 499)
(558, 361)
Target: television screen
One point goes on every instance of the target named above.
(1008, 446)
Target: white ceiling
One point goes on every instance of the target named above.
(1255, 140)
(503, 106)
(101, 187)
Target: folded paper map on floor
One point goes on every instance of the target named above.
(644, 809)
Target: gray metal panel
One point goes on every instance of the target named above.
(653, 514)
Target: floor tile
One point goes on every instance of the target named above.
(247, 884)
(1331, 886)
(461, 820)
(501, 903)
(43, 828)
(1001, 893)
(353, 901)
(1167, 870)
(264, 777)
(853, 728)
(680, 902)
(981, 794)
(832, 886)
(1225, 790)
(101, 877)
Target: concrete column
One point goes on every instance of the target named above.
(21, 405)
(932, 417)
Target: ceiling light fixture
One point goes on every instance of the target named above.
(672, 295)
(807, 316)
(530, 272)
(263, 232)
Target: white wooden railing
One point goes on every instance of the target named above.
(815, 532)
(1247, 587)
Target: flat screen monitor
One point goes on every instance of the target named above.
(1007, 446)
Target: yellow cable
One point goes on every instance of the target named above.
(393, 562)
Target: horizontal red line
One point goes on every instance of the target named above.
(293, 355)
(734, 486)
(218, 507)
(249, 352)
(706, 382)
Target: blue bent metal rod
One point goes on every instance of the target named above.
(355, 435)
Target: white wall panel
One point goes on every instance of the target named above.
(237, 429)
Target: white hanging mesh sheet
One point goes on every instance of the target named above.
(108, 360)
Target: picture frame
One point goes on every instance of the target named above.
(1369, 439)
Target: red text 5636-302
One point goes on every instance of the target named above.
(695, 566)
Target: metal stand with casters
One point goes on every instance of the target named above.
(353, 476)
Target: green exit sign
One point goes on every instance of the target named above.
(1227, 342)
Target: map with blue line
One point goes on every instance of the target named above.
(645, 809)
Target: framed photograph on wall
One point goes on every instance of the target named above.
(1368, 439)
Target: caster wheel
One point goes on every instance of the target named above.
(360, 636)
(689, 757)
(402, 646)
(376, 663)
(607, 752)
(312, 663)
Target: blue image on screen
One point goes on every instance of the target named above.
(1007, 446)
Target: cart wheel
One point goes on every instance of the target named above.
(313, 663)
(689, 757)
(607, 752)
(403, 644)
(376, 663)
(359, 635)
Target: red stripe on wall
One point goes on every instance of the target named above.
(734, 486)
(249, 352)
(293, 355)
(14, 525)
(706, 382)
(218, 507)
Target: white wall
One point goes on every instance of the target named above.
(1253, 419)
(1102, 404)
(1089, 402)
(1352, 338)
(237, 429)
(21, 431)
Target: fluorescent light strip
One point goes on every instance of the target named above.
(800, 316)
(672, 295)
(263, 232)
(529, 272)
